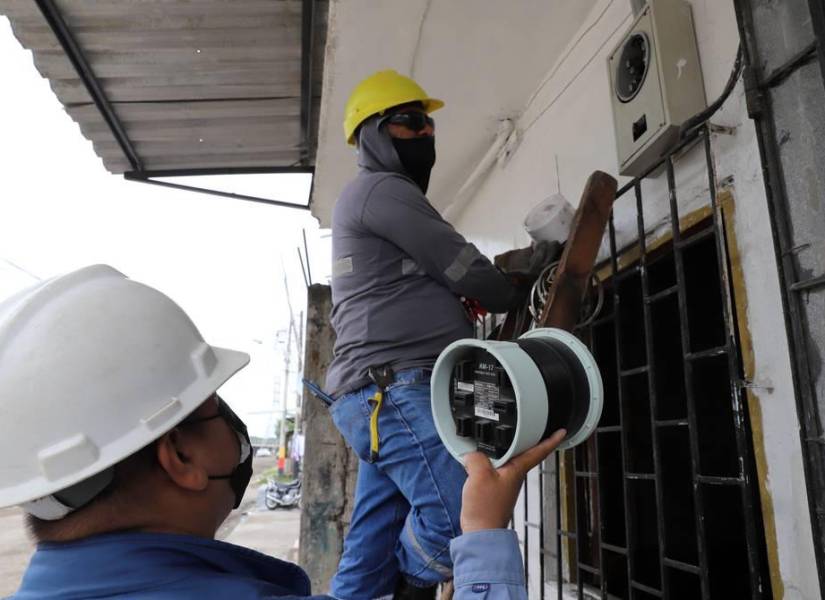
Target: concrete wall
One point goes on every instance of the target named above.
(330, 467)
(569, 121)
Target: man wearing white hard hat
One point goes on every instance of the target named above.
(116, 444)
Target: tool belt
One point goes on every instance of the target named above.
(383, 377)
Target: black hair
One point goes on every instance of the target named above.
(113, 496)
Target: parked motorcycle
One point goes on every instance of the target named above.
(282, 495)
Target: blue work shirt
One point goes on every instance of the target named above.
(143, 566)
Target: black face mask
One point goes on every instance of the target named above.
(241, 475)
(417, 156)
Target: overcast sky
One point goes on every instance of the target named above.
(222, 260)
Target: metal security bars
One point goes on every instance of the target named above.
(662, 502)
(784, 47)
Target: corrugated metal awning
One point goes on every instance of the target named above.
(214, 85)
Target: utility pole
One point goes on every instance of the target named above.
(299, 342)
(282, 436)
(296, 332)
(282, 459)
(294, 469)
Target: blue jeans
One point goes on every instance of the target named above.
(407, 503)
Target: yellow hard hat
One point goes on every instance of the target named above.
(377, 93)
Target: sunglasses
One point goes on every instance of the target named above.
(414, 121)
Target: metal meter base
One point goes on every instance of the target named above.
(504, 397)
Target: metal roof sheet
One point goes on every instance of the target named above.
(207, 84)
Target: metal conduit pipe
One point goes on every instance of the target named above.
(462, 197)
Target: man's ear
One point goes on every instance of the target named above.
(175, 460)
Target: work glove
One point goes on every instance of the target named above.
(523, 266)
(520, 268)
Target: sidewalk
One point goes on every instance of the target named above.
(272, 532)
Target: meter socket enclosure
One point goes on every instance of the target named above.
(655, 83)
(504, 397)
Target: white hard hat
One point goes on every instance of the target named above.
(93, 367)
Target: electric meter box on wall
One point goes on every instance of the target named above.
(655, 83)
(504, 397)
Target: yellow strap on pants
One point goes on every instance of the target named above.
(374, 439)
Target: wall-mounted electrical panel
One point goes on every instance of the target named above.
(655, 83)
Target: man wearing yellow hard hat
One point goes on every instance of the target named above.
(400, 273)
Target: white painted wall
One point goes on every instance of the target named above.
(569, 117)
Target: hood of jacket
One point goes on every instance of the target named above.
(375, 150)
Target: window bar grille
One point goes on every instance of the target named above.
(629, 509)
(559, 559)
(590, 558)
(541, 529)
(594, 482)
(525, 492)
(579, 545)
(751, 513)
(698, 495)
(651, 383)
(764, 104)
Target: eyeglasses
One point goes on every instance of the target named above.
(231, 419)
(414, 120)
(224, 412)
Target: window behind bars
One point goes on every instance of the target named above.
(662, 501)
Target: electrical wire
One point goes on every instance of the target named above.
(704, 116)
(622, 25)
(569, 51)
(540, 294)
(687, 127)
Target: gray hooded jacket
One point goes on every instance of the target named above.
(399, 271)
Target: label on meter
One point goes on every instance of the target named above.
(486, 395)
(486, 390)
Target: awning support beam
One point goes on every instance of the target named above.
(73, 52)
(307, 51)
(132, 175)
(150, 177)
